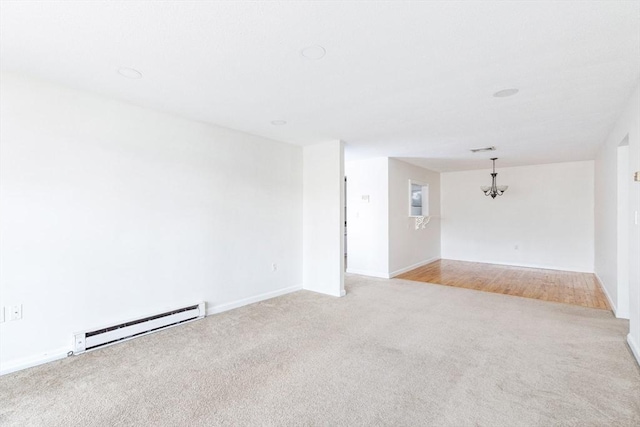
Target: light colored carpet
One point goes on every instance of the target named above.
(391, 352)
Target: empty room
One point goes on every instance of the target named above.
(320, 213)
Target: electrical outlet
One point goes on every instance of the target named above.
(16, 312)
(274, 267)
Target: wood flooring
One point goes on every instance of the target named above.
(548, 285)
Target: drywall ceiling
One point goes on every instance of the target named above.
(402, 79)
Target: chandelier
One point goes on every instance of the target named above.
(494, 190)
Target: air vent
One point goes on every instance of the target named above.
(480, 150)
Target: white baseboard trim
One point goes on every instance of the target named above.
(339, 294)
(635, 348)
(60, 353)
(606, 294)
(246, 301)
(382, 275)
(368, 273)
(411, 267)
(525, 265)
(28, 362)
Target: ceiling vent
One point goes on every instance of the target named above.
(480, 150)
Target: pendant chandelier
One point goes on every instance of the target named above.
(494, 190)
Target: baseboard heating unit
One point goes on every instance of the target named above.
(102, 337)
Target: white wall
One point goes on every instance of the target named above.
(547, 213)
(606, 214)
(383, 241)
(606, 217)
(409, 248)
(621, 306)
(323, 218)
(110, 211)
(368, 219)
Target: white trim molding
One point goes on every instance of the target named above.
(29, 362)
(525, 265)
(635, 348)
(411, 267)
(250, 300)
(61, 353)
(368, 273)
(606, 293)
(392, 274)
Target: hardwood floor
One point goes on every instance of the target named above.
(549, 285)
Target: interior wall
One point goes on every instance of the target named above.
(544, 220)
(410, 248)
(323, 218)
(624, 181)
(367, 217)
(606, 220)
(606, 215)
(110, 211)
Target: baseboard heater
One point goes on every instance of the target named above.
(102, 337)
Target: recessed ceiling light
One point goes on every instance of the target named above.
(313, 52)
(506, 92)
(130, 73)
(278, 122)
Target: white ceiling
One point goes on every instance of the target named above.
(401, 79)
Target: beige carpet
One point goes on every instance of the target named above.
(391, 352)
